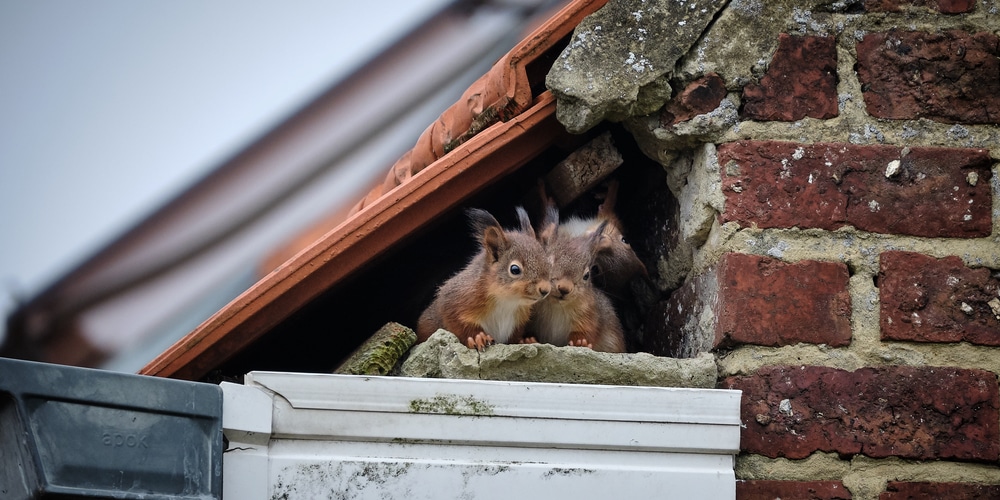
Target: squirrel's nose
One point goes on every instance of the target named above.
(544, 288)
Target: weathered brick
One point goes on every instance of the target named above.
(952, 491)
(800, 81)
(924, 299)
(910, 412)
(804, 490)
(767, 302)
(749, 299)
(949, 77)
(920, 191)
(942, 6)
(698, 97)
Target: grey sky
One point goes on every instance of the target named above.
(110, 107)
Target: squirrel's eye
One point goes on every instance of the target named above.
(515, 270)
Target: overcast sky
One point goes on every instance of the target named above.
(108, 108)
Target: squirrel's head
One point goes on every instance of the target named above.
(617, 263)
(515, 259)
(574, 257)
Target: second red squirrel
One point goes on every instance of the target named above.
(490, 300)
(576, 312)
(617, 264)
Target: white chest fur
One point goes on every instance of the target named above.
(500, 323)
(553, 322)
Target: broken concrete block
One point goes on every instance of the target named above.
(443, 356)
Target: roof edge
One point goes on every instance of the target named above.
(371, 231)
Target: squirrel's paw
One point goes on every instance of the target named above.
(528, 340)
(581, 343)
(480, 341)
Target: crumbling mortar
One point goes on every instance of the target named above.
(866, 478)
(995, 184)
(859, 250)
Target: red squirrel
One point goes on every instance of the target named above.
(576, 313)
(490, 300)
(617, 264)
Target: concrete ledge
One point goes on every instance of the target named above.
(443, 356)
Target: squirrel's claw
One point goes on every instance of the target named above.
(528, 340)
(480, 341)
(581, 343)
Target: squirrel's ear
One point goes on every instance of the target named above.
(599, 241)
(479, 220)
(606, 210)
(524, 221)
(550, 224)
(486, 228)
(494, 242)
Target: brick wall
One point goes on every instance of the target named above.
(841, 243)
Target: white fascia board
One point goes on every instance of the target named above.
(503, 398)
(334, 436)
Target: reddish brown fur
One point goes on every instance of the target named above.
(617, 263)
(485, 298)
(576, 312)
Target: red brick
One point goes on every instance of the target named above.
(934, 192)
(800, 81)
(917, 413)
(754, 300)
(924, 299)
(949, 77)
(767, 302)
(699, 97)
(804, 490)
(951, 491)
(942, 6)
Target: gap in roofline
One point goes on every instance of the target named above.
(397, 285)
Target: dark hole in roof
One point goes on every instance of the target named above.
(398, 285)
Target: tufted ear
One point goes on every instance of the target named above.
(495, 243)
(607, 208)
(524, 221)
(599, 241)
(479, 220)
(488, 231)
(550, 223)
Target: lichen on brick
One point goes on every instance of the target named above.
(620, 59)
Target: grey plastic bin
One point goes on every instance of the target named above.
(68, 432)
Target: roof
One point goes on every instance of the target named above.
(158, 281)
(501, 122)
